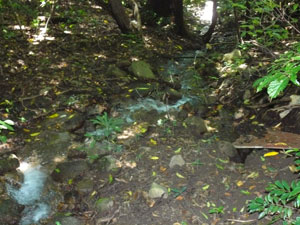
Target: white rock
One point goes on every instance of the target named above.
(158, 191)
(176, 160)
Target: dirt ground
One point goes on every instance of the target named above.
(208, 189)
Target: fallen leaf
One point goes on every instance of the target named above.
(240, 183)
(178, 150)
(53, 116)
(152, 141)
(281, 143)
(26, 130)
(293, 169)
(270, 154)
(253, 175)
(205, 187)
(154, 157)
(162, 169)
(252, 117)
(179, 175)
(179, 198)
(35, 134)
(252, 187)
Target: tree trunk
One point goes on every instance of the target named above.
(207, 36)
(120, 16)
(165, 8)
(178, 14)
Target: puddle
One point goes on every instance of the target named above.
(29, 194)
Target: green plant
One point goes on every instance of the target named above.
(107, 127)
(5, 125)
(295, 152)
(281, 201)
(282, 71)
(217, 210)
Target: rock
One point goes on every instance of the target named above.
(231, 56)
(196, 125)
(227, 148)
(8, 164)
(113, 70)
(247, 95)
(69, 170)
(158, 191)
(51, 145)
(173, 94)
(75, 122)
(138, 90)
(110, 163)
(104, 204)
(176, 160)
(143, 115)
(211, 100)
(142, 70)
(10, 211)
(66, 220)
(85, 186)
(123, 63)
(239, 114)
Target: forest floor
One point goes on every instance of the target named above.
(69, 73)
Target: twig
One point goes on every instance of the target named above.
(241, 221)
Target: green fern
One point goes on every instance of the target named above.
(282, 71)
(282, 201)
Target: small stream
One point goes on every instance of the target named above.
(29, 194)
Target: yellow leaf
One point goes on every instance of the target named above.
(94, 192)
(178, 47)
(71, 116)
(281, 143)
(205, 187)
(208, 46)
(153, 173)
(70, 181)
(26, 130)
(152, 141)
(293, 169)
(240, 183)
(271, 154)
(129, 193)
(252, 117)
(219, 107)
(154, 157)
(162, 169)
(35, 134)
(178, 150)
(53, 116)
(179, 175)
(105, 21)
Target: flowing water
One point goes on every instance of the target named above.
(29, 194)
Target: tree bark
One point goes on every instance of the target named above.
(118, 12)
(207, 36)
(165, 8)
(179, 20)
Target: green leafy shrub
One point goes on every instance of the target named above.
(5, 125)
(282, 201)
(282, 71)
(106, 127)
